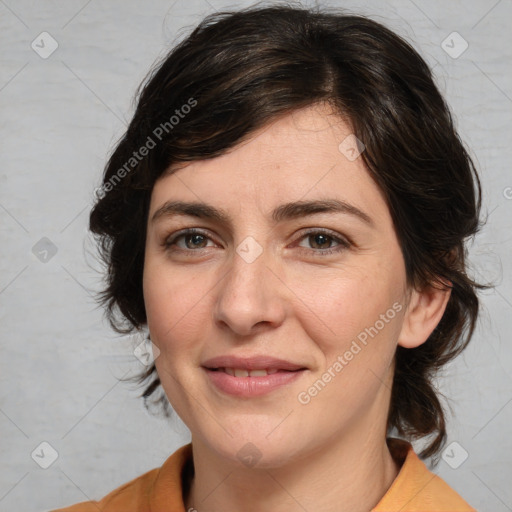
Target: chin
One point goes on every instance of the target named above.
(250, 448)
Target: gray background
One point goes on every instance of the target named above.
(60, 364)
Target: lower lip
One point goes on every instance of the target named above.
(251, 386)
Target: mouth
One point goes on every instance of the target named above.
(241, 372)
(234, 363)
(251, 376)
(243, 383)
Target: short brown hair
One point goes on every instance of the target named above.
(239, 70)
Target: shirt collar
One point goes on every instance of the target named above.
(415, 486)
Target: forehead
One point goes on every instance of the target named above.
(295, 138)
(300, 156)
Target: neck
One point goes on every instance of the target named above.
(351, 474)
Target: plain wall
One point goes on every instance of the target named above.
(60, 363)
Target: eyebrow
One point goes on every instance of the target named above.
(287, 211)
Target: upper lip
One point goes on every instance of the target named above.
(258, 362)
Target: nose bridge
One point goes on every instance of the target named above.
(249, 292)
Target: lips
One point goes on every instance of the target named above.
(251, 376)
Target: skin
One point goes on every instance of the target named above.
(292, 302)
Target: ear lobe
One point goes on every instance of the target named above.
(424, 312)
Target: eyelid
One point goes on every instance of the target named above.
(333, 234)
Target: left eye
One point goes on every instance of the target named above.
(323, 241)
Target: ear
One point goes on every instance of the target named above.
(424, 311)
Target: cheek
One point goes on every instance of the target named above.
(175, 303)
(340, 304)
(356, 327)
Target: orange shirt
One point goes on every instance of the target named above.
(415, 489)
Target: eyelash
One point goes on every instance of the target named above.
(343, 244)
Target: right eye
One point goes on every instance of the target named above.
(187, 240)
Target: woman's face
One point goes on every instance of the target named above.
(269, 274)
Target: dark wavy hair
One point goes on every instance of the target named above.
(239, 70)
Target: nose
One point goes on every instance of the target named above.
(251, 297)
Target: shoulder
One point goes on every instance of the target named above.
(155, 490)
(130, 497)
(416, 488)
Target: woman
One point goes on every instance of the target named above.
(286, 216)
